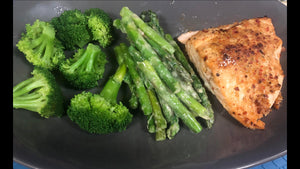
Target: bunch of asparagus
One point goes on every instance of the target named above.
(160, 77)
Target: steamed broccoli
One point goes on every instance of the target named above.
(39, 93)
(100, 113)
(72, 29)
(100, 25)
(40, 46)
(85, 68)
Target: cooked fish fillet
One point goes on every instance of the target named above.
(240, 65)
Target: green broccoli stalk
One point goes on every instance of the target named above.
(100, 24)
(40, 46)
(100, 113)
(72, 29)
(85, 68)
(40, 94)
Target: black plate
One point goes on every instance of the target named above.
(59, 143)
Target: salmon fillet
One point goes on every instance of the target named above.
(240, 64)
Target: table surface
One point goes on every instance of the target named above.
(279, 163)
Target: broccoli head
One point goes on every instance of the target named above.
(72, 29)
(40, 46)
(40, 94)
(100, 25)
(96, 115)
(100, 113)
(85, 68)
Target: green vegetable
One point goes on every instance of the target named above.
(152, 34)
(179, 64)
(40, 46)
(159, 120)
(152, 20)
(141, 92)
(148, 53)
(85, 68)
(133, 101)
(180, 110)
(151, 124)
(171, 63)
(100, 25)
(176, 69)
(72, 29)
(171, 118)
(40, 94)
(117, 24)
(100, 113)
(196, 81)
(150, 43)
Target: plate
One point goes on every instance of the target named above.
(59, 143)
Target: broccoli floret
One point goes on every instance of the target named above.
(100, 113)
(85, 68)
(72, 29)
(40, 46)
(40, 94)
(100, 25)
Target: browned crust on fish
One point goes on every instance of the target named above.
(240, 65)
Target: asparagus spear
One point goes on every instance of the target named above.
(159, 120)
(177, 70)
(197, 91)
(139, 85)
(196, 81)
(135, 36)
(156, 118)
(180, 110)
(171, 119)
(170, 60)
(133, 101)
(152, 34)
(151, 120)
(147, 52)
(151, 124)
(152, 20)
